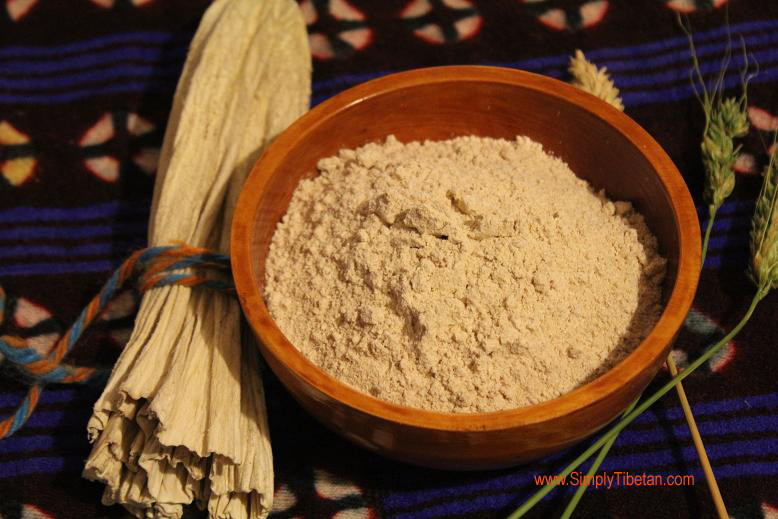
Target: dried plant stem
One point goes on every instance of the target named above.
(648, 402)
(708, 228)
(699, 446)
(718, 501)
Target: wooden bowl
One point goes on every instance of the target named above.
(601, 145)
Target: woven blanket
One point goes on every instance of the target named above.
(85, 90)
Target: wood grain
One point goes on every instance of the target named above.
(601, 144)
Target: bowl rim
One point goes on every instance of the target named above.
(275, 344)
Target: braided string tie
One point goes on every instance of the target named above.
(150, 268)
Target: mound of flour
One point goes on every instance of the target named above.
(465, 275)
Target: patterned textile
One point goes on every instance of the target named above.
(85, 89)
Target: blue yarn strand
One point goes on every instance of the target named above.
(18, 355)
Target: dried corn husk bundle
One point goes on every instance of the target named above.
(182, 417)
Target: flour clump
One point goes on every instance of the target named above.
(466, 275)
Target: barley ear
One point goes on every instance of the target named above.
(596, 81)
(764, 232)
(725, 120)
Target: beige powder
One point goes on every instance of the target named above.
(465, 275)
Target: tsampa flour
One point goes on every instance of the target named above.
(466, 275)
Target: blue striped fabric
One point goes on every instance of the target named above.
(681, 56)
(647, 51)
(35, 74)
(51, 396)
(144, 37)
(73, 237)
(724, 441)
(555, 66)
(60, 419)
(500, 494)
(90, 212)
(463, 499)
(658, 93)
(30, 83)
(457, 504)
(43, 442)
(730, 206)
(702, 409)
(41, 465)
(25, 80)
(54, 267)
(155, 85)
(90, 249)
(72, 233)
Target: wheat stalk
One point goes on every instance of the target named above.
(596, 81)
(726, 120)
(764, 231)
